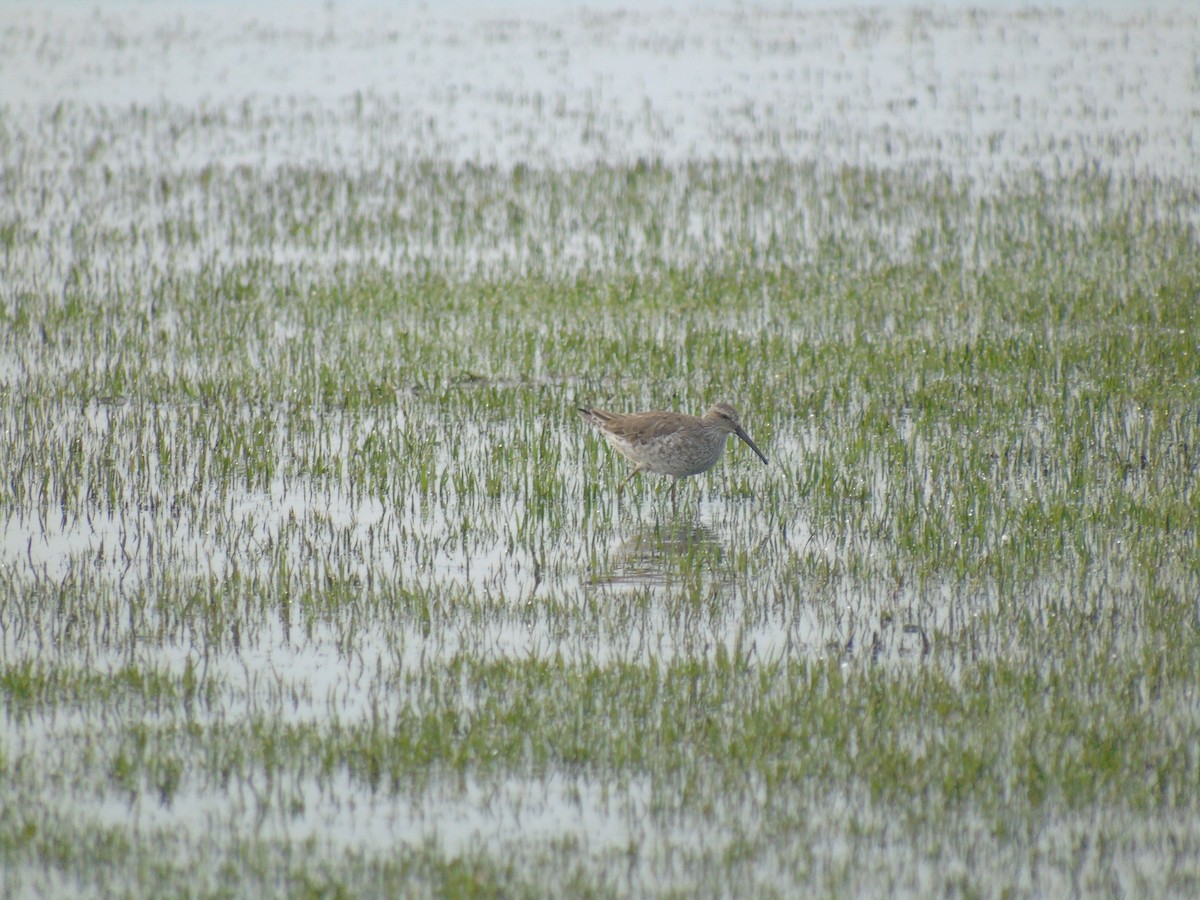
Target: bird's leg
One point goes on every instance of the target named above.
(621, 486)
(674, 484)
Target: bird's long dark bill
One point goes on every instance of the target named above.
(753, 446)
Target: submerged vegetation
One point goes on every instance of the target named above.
(313, 582)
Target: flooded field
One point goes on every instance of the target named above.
(312, 581)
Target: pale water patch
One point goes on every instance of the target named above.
(977, 90)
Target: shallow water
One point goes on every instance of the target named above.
(971, 90)
(158, 557)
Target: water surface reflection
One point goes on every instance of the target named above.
(661, 554)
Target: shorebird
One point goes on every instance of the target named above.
(669, 443)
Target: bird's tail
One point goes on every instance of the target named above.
(594, 417)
